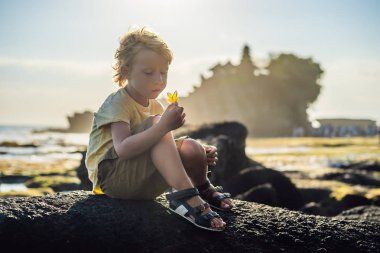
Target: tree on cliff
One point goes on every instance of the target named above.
(285, 94)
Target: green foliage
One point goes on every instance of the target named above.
(283, 96)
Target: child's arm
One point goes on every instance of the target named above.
(128, 146)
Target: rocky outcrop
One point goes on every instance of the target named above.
(81, 221)
(284, 190)
(229, 138)
(330, 206)
(82, 174)
(351, 178)
(368, 166)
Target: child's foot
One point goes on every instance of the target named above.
(226, 203)
(196, 201)
(215, 197)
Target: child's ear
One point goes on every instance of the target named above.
(125, 71)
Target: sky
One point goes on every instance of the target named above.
(56, 56)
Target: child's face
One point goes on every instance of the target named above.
(149, 73)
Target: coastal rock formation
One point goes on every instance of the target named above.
(229, 138)
(80, 122)
(285, 191)
(351, 178)
(82, 173)
(79, 220)
(269, 100)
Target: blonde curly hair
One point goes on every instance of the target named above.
(130, 44)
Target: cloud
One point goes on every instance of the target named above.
(85, 68)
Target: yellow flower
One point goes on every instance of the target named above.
(172, 98)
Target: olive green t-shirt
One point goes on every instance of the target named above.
(118, 106)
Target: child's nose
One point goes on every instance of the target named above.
(159, 78)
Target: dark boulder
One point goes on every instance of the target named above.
(263, 194)
(80, 221)
(286, 192)
(314, 194)
(359, 166)
(366, 166)
(82, 174)
(314, 209)
(13, 178)
(376, 201)
(229, 138)
(352, 200)
(351, 178)
(333, 206)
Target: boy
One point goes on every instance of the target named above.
(132, 153)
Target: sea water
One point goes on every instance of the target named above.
(40, 146)
(37, 147)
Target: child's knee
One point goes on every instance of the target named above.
(192, 150)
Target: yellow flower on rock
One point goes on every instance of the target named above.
(172, 98)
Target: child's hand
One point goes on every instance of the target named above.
(212, 155)
(173, 117)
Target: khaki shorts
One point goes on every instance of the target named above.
(136, 178)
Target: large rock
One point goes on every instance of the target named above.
(314, 194)
(229, 138)
(82, 174)
(351, 178)
(81, 221)
(359, 166)
(263, 194)
(286, 192)
(331, 206)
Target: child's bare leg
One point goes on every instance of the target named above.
(166, 158)
(194, 159)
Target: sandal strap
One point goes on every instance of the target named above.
(184, 209)
(201, 207)
(223, 196)
(181, 194)
(206, 191)
(209, 216)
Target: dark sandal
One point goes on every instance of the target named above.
(206, 193)
(178, 205)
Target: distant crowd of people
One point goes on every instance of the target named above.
(338, 131)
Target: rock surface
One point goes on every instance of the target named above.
(81, 221)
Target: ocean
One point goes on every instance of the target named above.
(33, 150)
(22, 143)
